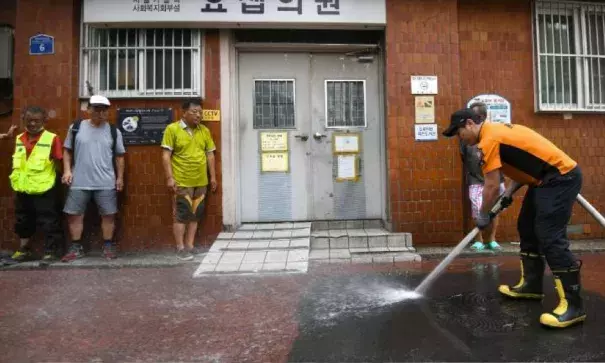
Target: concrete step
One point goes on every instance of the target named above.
(347, 224)
(258, 249)
(260, 245)
(263, 234)
(345, 256)
(359, 239)
(254, 262)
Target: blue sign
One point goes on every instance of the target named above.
(41, 44)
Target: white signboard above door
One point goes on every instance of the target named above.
(225, 13)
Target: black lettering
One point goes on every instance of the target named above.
(324, 5)
(253, 8)
(209, 9)
(297, 8)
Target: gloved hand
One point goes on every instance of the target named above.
(506, 201)
(482, 221)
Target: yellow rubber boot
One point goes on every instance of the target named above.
(530, 284)
(570, 310)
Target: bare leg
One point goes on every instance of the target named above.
(179, 234)
(108, 226)
(76, 226)
(492, 232)
(191, 231)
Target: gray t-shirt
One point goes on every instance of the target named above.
(472, 165)
(93, 168)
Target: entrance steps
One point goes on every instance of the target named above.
(270, 248)
(359, 242)
(259, 248)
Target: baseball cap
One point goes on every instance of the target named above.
(458, 119)
(98, 100)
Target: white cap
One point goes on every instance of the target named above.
(98, 100)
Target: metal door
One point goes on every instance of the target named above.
(314, 98)
(274, 97)
(345, 107)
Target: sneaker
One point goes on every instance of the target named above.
(49, 258)
(478, 246)
(195, 251)
(494, 246)
(109, 252)
(22, 256)
(184, 255)
(73, 254)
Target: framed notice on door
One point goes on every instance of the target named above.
(346, 170)
(275, 162)
(274, 141)
(345, 143)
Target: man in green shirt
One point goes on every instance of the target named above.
(187, 156)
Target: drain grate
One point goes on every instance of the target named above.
(481, 313)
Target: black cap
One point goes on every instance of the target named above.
(459, 118)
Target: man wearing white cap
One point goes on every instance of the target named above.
(97, 172)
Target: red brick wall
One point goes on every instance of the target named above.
(496, 56)
(52, 82)
(424, 177)
(473, 47)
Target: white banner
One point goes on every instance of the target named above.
(223, 12)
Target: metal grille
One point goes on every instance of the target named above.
(141, 62)
(570, 40)
(6, 52)
(345, 101)
(274, 102)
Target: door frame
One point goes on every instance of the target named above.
(230, 134)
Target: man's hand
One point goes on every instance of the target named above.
(11, 130)
(67, 178)
(171, 184)
(119, 184)
(483, 221)
(213, 184)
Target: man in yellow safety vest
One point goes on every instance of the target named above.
(36, 159)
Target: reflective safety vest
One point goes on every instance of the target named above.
(35, 174)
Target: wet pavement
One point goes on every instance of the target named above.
(334, 313)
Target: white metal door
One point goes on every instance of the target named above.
(312, 97)
(345, 108)
(274, 97)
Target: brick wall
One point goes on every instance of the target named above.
(52, 82)
(473, 47)
(496, 56)
(424, 177)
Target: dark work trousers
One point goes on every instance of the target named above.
(43, 210)
(543, 219)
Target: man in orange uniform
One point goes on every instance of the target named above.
(554, 181)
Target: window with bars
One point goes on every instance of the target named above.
(345, 104)
(6, 67)
(570, 44)
(142, 62)
(274, 104)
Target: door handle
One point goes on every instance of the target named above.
(302, 137)
(318, 136)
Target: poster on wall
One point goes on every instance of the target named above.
(143, 126)
(425, 109)
(498, 108)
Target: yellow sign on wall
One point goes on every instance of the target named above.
(211, 115)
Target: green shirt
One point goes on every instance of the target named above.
(189, 148)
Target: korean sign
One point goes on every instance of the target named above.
(362, 12)
(143, 126)
(498, 108)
